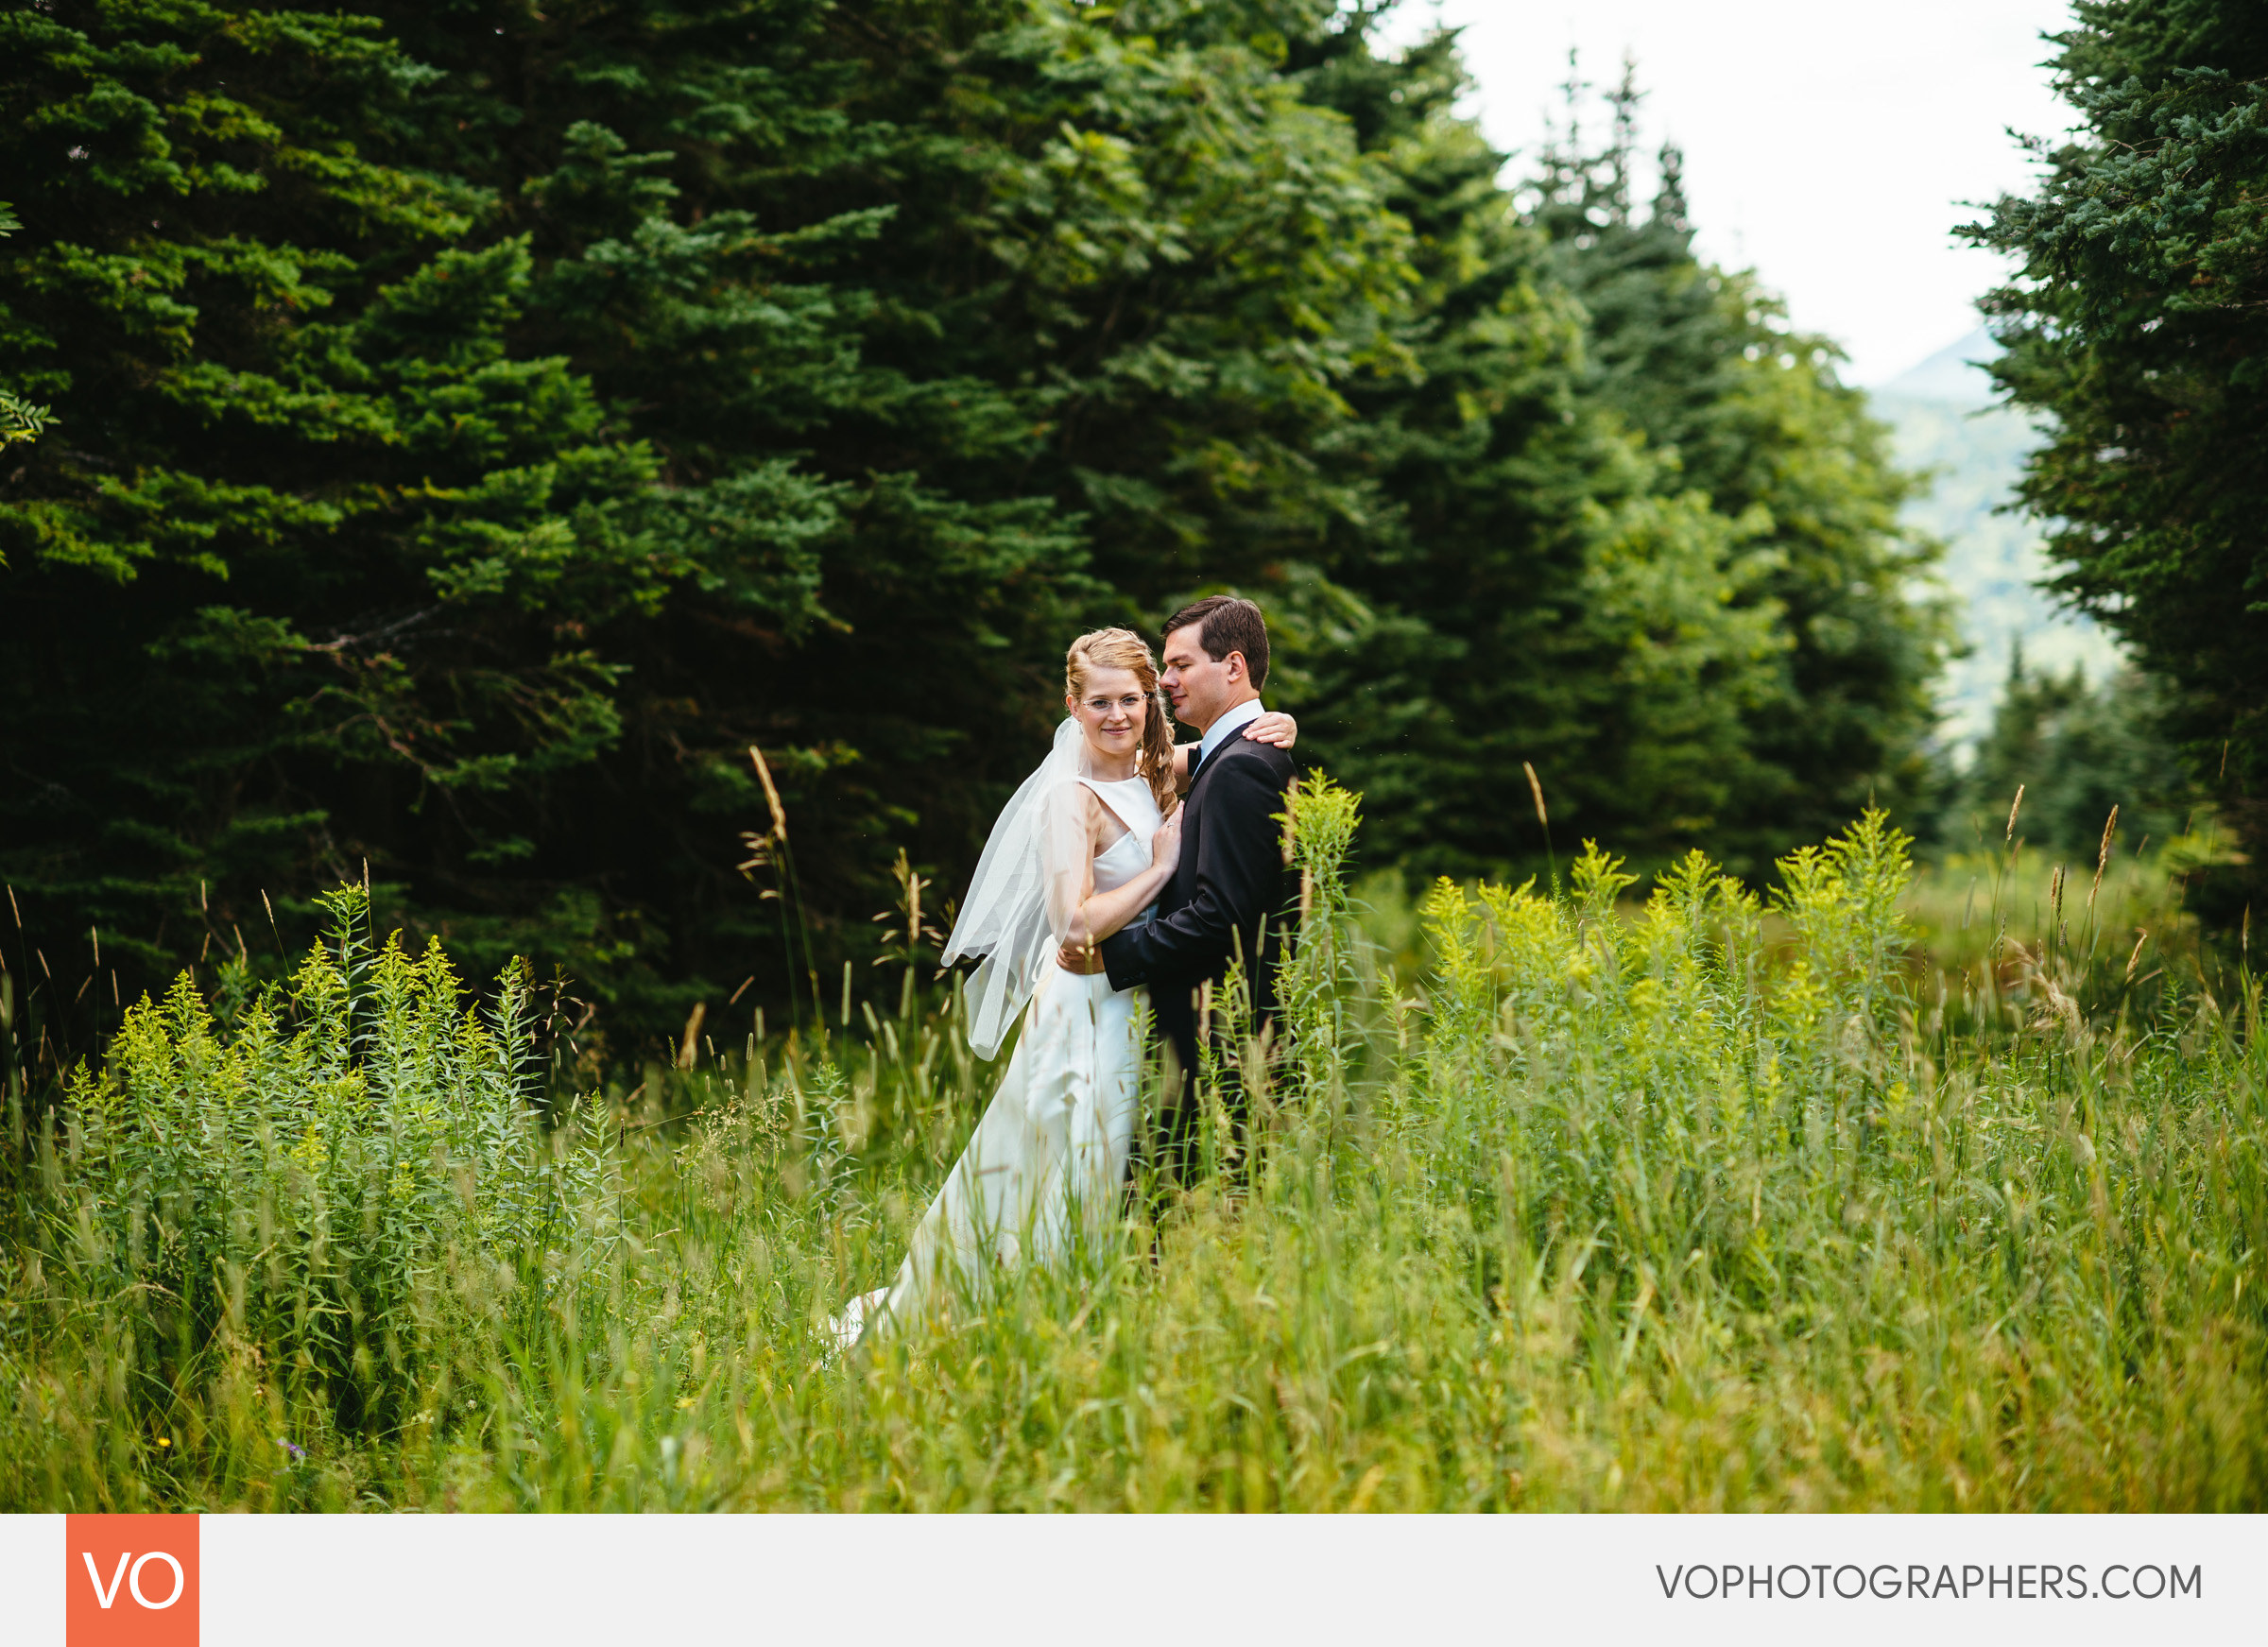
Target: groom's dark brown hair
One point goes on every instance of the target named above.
(1227, 623)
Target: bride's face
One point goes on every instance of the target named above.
(1111, 710)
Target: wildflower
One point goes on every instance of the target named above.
(296, 1451)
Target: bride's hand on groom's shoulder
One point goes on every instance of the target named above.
(1274, 728)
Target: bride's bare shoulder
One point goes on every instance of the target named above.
(1099, 819)
(1072, 802)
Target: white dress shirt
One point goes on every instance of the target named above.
(1234, 721)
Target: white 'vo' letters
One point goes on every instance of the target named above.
(132, 1576)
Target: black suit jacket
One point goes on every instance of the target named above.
(1227, 897)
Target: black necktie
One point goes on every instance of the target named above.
(1196, 759)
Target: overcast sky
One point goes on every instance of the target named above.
(1827, 145)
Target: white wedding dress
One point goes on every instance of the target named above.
(1047, 1165)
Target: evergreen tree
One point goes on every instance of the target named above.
(1751, 415)
(2142, 324)
(2077, 751)
(1641, 537)
(287, 415)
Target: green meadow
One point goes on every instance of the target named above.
(1863, 1192)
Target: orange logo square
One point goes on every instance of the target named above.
(129, 1580)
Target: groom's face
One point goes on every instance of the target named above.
(1199, 688)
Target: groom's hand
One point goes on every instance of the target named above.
(1084, 959)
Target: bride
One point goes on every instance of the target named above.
(1082, 849)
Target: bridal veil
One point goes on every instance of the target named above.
(1031, 878)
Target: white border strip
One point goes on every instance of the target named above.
(412, 1580)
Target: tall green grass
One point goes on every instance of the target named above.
(1711, 1201)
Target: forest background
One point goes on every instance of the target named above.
(471, 430)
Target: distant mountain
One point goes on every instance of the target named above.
(1954, 375)
(1943, 422)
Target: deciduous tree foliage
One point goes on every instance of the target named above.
(476, 427)
(2142, 324)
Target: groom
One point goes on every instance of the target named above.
(1229, 890)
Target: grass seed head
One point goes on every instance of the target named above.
(2110, 827)
(771, 792)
